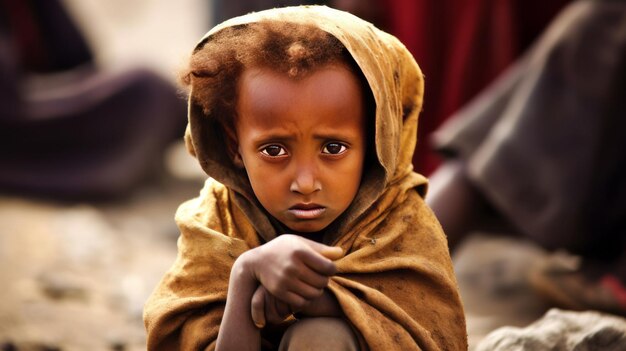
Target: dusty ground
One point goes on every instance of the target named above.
(76, 275)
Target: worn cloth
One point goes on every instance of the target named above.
(395, 284)
(473, 33)
(545, 144)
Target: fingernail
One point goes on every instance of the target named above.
(259, 325)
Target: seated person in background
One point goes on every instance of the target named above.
(68, 129)
(541, 154)
(312, 232)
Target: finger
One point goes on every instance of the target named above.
(258, 307)
(330, 252)
(313, 278)
(282, 309)
(304, 290)
(317, 262)
(292, 299)
(271, 313)
(276, 311)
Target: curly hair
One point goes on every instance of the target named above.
(293, 49)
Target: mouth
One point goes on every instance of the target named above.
(307, 211)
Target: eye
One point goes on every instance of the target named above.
(273, 151)
(334, 148)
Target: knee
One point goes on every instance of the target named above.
(333, 334)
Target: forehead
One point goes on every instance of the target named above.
(329, 95)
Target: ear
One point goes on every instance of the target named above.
(237, 161)
(232, 147)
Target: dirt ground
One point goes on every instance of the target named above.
(76, 275)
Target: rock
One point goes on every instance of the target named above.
(10, 346)
(563, 331)
(60, 285)
(77, 274)
(492, 272)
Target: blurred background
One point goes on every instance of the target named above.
(92, 165)
(91, 168)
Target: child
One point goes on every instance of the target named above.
(312, 232)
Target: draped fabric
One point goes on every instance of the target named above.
(462, 46)
(395, 284)
(546, 142)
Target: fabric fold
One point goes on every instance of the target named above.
(395, 284)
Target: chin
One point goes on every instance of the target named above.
(303, 227)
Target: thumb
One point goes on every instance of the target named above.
(330, 252)
(258, 307)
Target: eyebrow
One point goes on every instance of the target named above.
(336, 133)
(333, 136)
(272, 136)
(286, 137)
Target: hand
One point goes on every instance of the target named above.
(293, 269)
(266, 308)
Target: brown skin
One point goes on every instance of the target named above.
(302, 143)
(294, 268)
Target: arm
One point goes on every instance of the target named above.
(237, 331)
(324, 306)
(293, 273)
(293, 269)
(267, 309)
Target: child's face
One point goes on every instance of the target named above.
(302, 143)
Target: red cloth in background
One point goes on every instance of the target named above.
(461, 47)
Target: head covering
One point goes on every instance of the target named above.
(396, 83)
(395, 284)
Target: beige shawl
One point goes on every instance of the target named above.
(395, 284)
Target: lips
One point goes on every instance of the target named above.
(307, 211)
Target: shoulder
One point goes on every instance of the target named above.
(207, 208)
(403, 222)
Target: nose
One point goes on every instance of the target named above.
(305, 181)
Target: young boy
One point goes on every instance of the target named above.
(311, 232)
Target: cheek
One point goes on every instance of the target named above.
(347, 178)
(265, 181)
